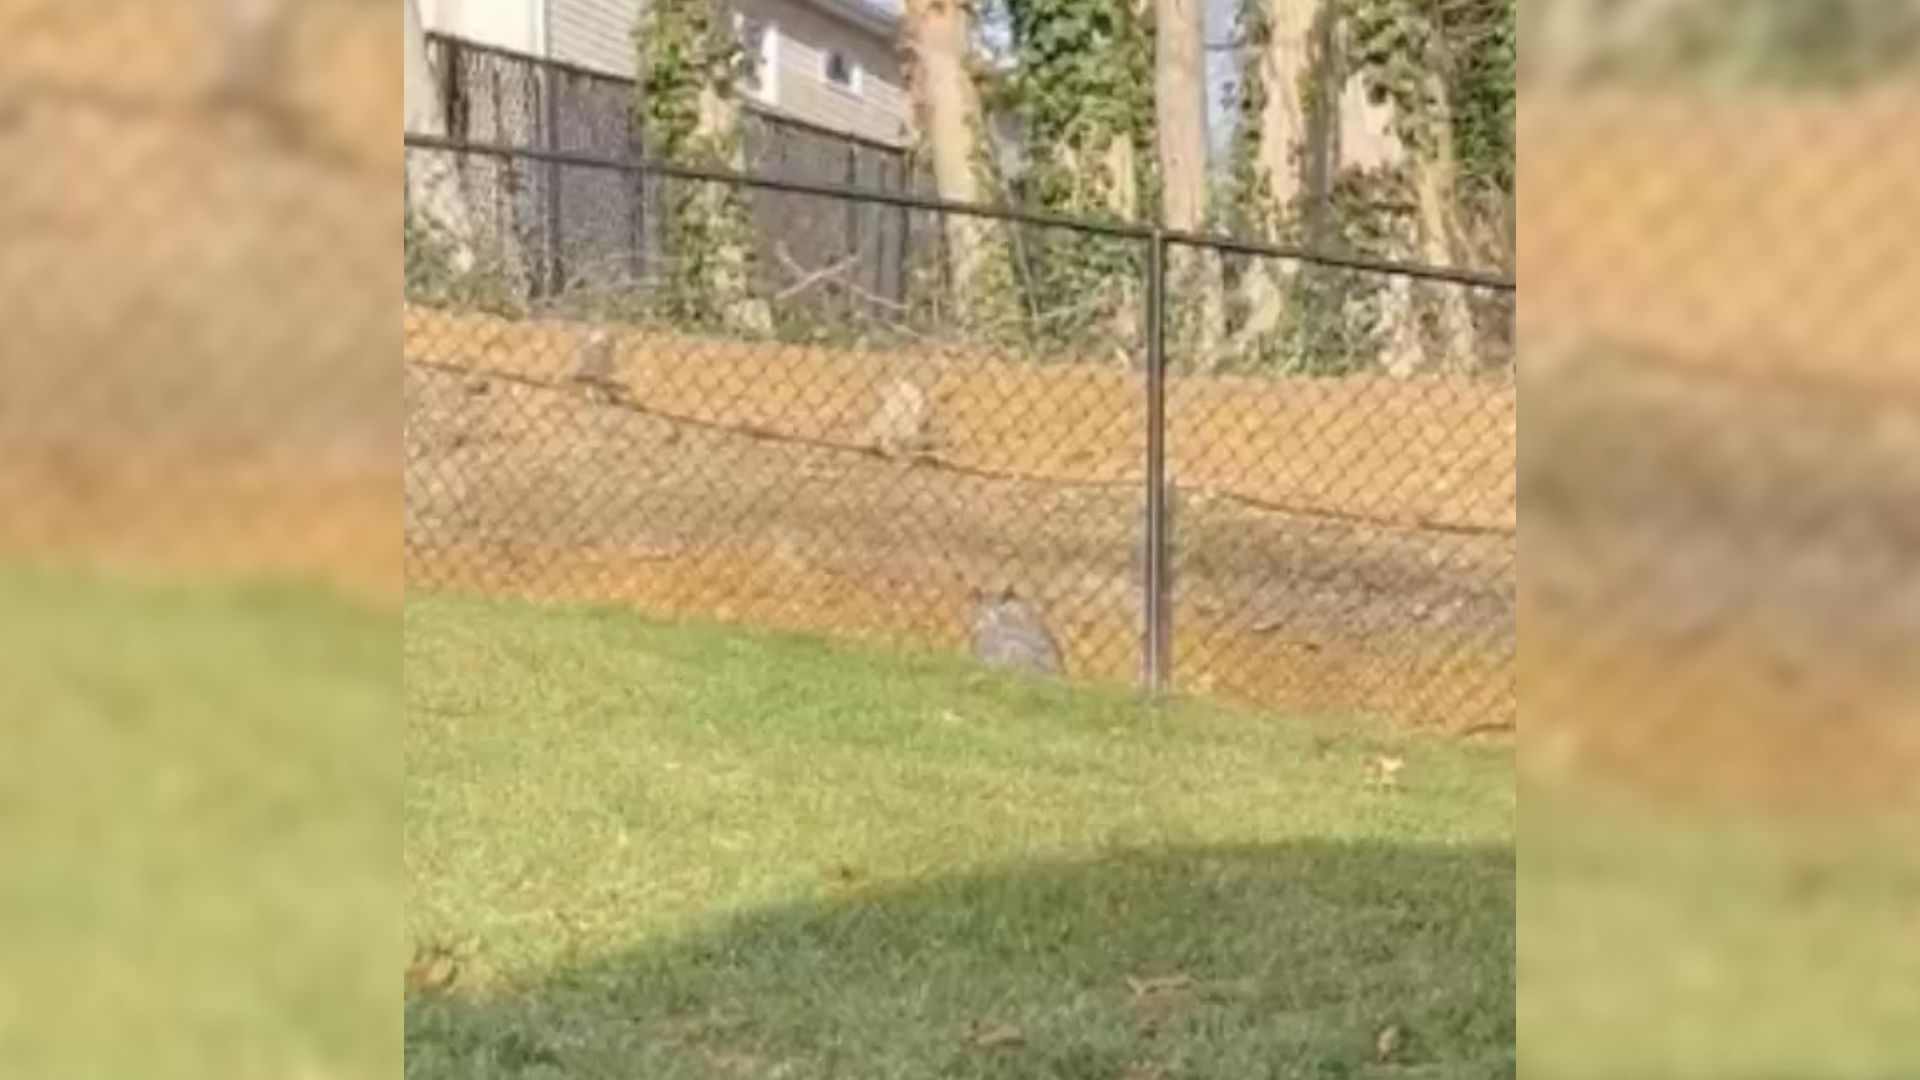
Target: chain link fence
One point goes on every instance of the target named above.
(578, 226)
(1717, 870)
(1721, 480)
(716, 433)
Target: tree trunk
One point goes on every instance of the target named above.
(1368, 144)
(1180, 111)
(1280, 61)
(937, 40)
(724, 207)
(1367, 141)
(433, 188)
(1121, 199)
(1284, 59)
(1370, 140)
(1436, 179)
(689, 62)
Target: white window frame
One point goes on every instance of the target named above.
(768, 71)
(856, 84)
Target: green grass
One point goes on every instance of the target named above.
(199, 804)
(1689, 945)
(674, 852)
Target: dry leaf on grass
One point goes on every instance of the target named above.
(1386, 1046)
(1162, 984)
(1156, 1000)
(434, 968)
(995, 1036)
(1385, 771)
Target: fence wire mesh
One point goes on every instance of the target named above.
(575, 220)
(726, 431)
(1342, 482)
(1720, 484)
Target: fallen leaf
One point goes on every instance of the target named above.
(1385, 771)
(995, 1036)
(1388, 1043)
(1165, 984)
(434, 968)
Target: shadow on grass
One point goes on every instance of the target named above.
(1242, 963)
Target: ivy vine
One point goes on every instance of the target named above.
(691, 62)
(1081, 84)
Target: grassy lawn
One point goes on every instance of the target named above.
(199, 797)
(1703, 946)
(666, 852)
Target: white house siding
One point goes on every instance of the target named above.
(878, 111)
(596, 34)
(504, 24)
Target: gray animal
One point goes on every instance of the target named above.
(1009, 631)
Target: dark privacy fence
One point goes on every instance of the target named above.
(581, 226)
(1215, 467)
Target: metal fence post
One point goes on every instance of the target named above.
(1154, 609)
(853, 219)
(550, 120)
(903, 171)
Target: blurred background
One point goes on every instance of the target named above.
(199, 539)
(200, 517)
(1719, 599)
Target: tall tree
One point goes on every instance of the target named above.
(1277, 42)
(1180, 113)
(1083, 91)
(1436, 193)
(691, 65)
(1403, 69)
(936, 44)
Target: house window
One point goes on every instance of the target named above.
(841, 70)
(760, 41)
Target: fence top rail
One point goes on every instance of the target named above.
(567, 67)
(483, 48)
(908, 200)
